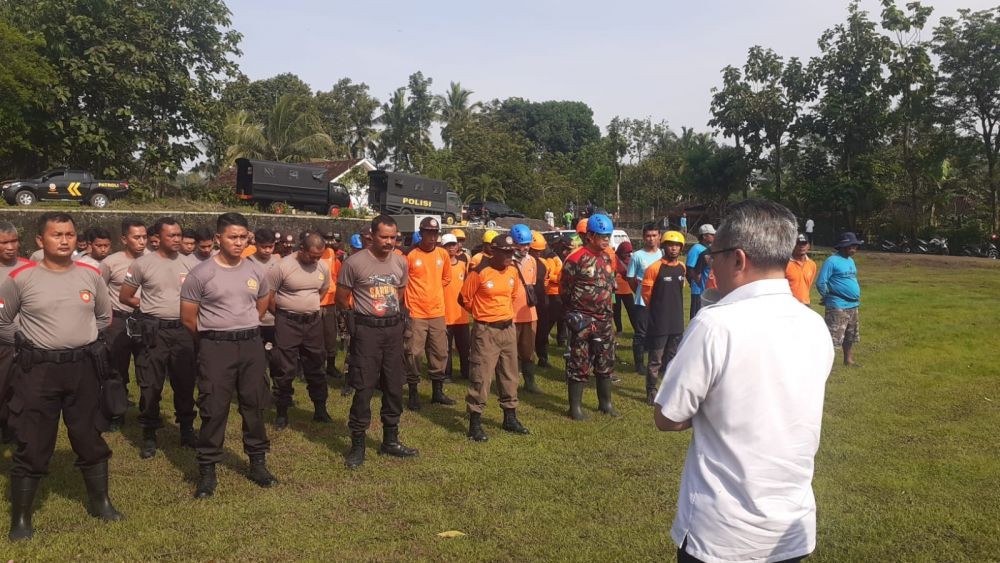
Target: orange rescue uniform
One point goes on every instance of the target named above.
(800, 276)
(489, 294)
(454, 314)
(430, 273)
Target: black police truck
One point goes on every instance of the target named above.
(396, 193)
(303, 186)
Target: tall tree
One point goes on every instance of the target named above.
(137, 79)
(396, 133)
(969, 48)
(552, 126)
(455, 110)
(292, 133)
(732, 115)
(348, 115)
(420, 112)
(26, 80)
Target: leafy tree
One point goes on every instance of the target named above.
(420, 113)
(348, 115)
(293, 133)
(258, 97)
(137, 79)
(969, 49)
(396, 134)
(455, 110)
(551, 126)
(26, 80)
(495, 164)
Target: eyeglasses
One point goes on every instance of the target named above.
(708, 255)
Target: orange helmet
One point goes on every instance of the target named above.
(537, 241)
(581, 226)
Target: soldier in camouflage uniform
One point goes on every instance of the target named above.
(587, 289)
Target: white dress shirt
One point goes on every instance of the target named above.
(750, 374)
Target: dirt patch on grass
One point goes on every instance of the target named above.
(931, 261)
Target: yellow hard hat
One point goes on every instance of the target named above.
(488, 236)
(459, 233)
(673, 236)
(581, 226)
(537, 241)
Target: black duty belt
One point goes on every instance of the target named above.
(57, 356)
(162, 323)
(377, 322)
(497, 324)
(120, 314)
(230, 335)
(299, 317)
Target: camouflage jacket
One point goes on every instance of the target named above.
(588, 283)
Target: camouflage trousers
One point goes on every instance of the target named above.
(592, 347)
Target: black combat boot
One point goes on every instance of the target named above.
(148, 448)
(604, 397)
(476, 427)
(637, 358)
(99, 504)
(438, 396)
(543, 362)
(511, 423)
(116, 423)
(528, 370)
(356, 456)
(22, 500)
(346, 391)
(331, 368)
(206, 481)
(392, 446)
(259, 473)
(188, 438)
(650, 388)
(576, 400)
(413, 403)
(281, 418)
(320, 414)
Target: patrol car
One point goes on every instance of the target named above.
(64, 184)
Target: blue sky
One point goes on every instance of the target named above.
(626, 57)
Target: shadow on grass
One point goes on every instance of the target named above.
(333, 435)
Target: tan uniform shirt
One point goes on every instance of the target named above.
(298, 288)
(58, 310)
(268, 319)
(227, 297)
(160, 280)
(113, 270)
(7, 330)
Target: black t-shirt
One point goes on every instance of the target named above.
(666, 304)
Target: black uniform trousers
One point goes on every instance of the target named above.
(553, 316)
(41, 394)
(225, 366)
(459, 341)
(267, 341)
(294, 340)
(376, 364)
(121, 347)
(640, 321)
(6, 367)
(170, 355)
(695, 305)
(330, 321)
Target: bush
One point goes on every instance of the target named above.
(973, 232)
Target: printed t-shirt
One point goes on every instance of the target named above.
(374, 282)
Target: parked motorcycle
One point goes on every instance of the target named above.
(938, 245)
(988, 249)
(902, 245)
(921, 246)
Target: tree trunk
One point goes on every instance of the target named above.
(777, 168)
(618, 192)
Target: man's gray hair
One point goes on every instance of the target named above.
(765, 230)
(7, 227)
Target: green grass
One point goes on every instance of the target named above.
(907, 468)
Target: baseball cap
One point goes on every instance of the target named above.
(448, 238)
(503, 242)
(429, 224)
(706, 229)
(801, 238)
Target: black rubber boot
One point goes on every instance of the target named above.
(22, 500)
(355, 458)
(512, 424)
(281, 418)
(637, 358)
(528, 370)
(476, 427)
(392, 446)
(576, 400)
(148, 448)
(320, 414)
(259, 473)
(650, 388)
(346, 391)
(188, 438)
(99, 504)
(604, 397)
(116, 423)
(438, 395)
(206, 481)
(413, 402)
(543, 362)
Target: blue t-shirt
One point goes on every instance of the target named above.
(837, 283)
(641, 259)
(692, 261)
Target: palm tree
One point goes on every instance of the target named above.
(396, 135)
(455, 110)
(292, 134)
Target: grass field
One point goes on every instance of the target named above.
(908, 468)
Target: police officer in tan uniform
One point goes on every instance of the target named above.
(60, 306)
(10, 244)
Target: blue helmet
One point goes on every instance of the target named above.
(417, 238)
(356, 241)
(521, 234)
(599, 223)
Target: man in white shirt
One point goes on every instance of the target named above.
(810, 225)
(749, 378)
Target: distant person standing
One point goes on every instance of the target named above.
(663, 293)
(810, 225)
(749, 379)
(801, 270)
(698, 266)
(10, 243)
(568, 219)
(455, 316)
(550, 219)
(525, 309)
(684, 222)
(649, 254)
(841, 294)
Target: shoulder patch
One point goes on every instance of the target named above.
(27, 266)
